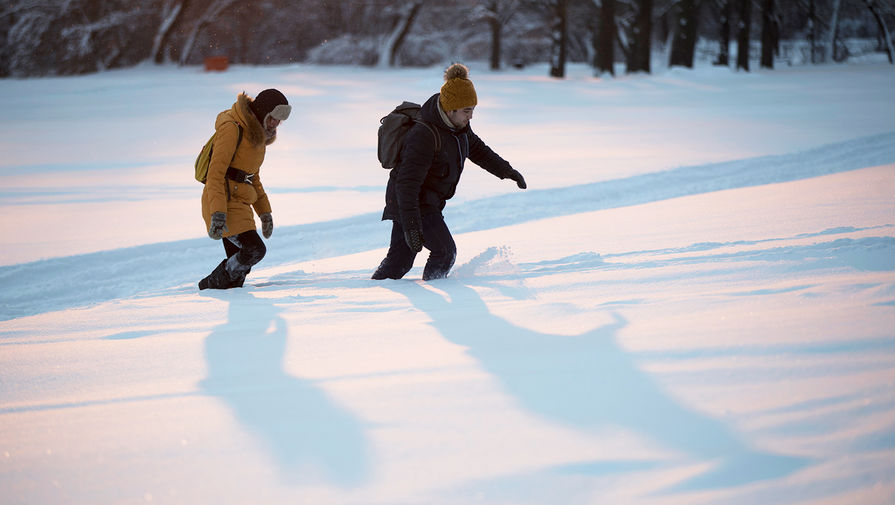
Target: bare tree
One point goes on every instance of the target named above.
(832, 34)
(402, 16)
(876, 9)
(634, 32)
(89, 34)
(211, 14)
(75, 36)
(27, 26)
(171, 15)
(812, 28)
(559, 38)
(605, 39)
(40, 37)
(643, 37)
(497, 13)
(770, 30)
(724, 35)
(683, 43)
(743, 35)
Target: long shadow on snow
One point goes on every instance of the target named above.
(589, 381)
(74, 281)
(309, 436)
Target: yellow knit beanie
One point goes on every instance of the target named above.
(457, 91)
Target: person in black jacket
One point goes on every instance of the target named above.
(427, 174)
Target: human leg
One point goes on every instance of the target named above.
(229, 247)
(251, 250)
(243, 251)
(442, 249)
(399, 259)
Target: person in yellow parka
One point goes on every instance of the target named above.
(233, 186)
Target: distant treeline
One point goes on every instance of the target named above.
(54, 37)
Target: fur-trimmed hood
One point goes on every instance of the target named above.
(242, 114)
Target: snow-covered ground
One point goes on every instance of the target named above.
(693, 302)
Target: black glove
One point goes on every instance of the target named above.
(516, 176)
(266, 224)
(413, 232)
(218, 225)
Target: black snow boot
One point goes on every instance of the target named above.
(240, 279)
(390, 269)
(237, 271)
(219, 278)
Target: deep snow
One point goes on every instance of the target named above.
(693, 303)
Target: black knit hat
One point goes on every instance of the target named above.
(270, 101)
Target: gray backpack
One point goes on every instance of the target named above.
(393, 128)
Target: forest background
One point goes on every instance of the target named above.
(64, 37)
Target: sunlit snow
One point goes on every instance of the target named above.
(693, 302)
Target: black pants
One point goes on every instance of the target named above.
(247, 246)
(436, 238)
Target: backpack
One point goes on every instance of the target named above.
(392, 129)
(204, 158)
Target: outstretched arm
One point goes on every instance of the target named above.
(485, 157)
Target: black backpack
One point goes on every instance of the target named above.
(392, 129)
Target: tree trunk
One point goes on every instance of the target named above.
(874, 7)
(743, 35)
(497, 13)
(683, 45)
(768, 31)
(495, 42)
(624, 44)
(812, 29)
(724, 36)
(606, 38)
(641, 46)
(170, 17)
(209, 16)
(388, 50)
(412, 11)
(830, 49)
(560, 35)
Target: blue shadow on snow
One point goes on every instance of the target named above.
(307, 433)
(588, 381)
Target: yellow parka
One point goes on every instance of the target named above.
(248, 157)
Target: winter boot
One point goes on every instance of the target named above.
(391, 269)
(379, 274)
(219, 278)
(240, 280)
(237, 271)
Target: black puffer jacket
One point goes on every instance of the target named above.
(424, 179)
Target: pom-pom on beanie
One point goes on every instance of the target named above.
(457, 92)
(270, 101)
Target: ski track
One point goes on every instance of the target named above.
(88, 279)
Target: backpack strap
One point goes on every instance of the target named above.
(238, 140)
(431, 129)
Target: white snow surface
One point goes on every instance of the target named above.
(693, 302)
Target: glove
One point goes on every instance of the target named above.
(516, 176)
(218, 225)
(266, 224)
(413, 233)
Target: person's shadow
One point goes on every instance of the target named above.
(588, 381)
(309, 436)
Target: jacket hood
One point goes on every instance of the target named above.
(242, 114)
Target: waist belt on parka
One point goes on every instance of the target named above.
(235, 174)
